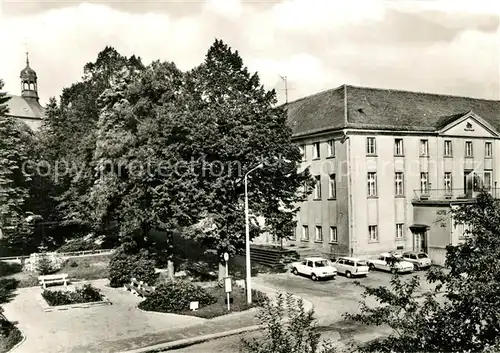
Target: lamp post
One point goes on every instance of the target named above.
(247, 237)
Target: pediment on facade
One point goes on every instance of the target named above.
(469, 125)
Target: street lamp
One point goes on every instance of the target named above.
(247, 237)
(247, 230)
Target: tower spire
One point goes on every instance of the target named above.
(28, 81)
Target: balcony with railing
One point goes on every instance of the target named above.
(446, 195)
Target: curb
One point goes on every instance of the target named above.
(193, 341)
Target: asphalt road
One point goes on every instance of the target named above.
(331, 299)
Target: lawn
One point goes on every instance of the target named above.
(77, 268)
(86, 267)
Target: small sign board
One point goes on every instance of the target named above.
(226, 257)
(228, 284)
(194, 306)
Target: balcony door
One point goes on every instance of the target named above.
(472, 183)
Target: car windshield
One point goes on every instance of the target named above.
(422, 256)
(322, 263)
(361, 263)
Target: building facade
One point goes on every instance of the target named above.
(26, 107)
(389, 167)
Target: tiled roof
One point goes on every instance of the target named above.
(24, 108)
(373, 108)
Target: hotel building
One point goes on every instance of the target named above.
(389, 166)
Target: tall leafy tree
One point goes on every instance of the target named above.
(464, 314)
(235, 126)
(144, 184)
(15, 179)
(69, 137)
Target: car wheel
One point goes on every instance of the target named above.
(415, 267)
(314, 277)
(371, 267)
(295, 272)
(348, 274)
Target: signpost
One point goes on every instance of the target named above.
(227, 281)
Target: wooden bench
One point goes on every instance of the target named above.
(138, 288)
(53, 279)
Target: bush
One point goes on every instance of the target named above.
(175, 296)
(123, 266)
(7, 289)
(289, 329)
(200, 271)
(44, 265)
(79, 245)
(86, 294)
(9, 335)
(259, 298)
(7, 268)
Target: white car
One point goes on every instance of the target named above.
(351, 266)
(390, 262)
(420, 260)
(314, 267)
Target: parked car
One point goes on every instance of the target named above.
(351, 266)
(419, 259)
(390, 262)
(314, 267)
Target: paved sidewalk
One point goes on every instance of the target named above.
(115, 328)
(217, 325)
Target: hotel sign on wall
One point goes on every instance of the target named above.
(441, 218)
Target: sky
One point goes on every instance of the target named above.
(438, 46)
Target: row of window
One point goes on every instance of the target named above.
(399, 184)
(332, 187)
(371, 148)
(333, 238)
(318, 234)
(486, 182)
(330, 152)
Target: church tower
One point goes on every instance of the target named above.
(29, 89)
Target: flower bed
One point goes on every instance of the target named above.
(85, 294)
(10, 335)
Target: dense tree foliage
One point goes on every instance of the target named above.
(463, 315)
(68, 139)
(172, 148)
(235, 127)
(143, 183)
(15, 181)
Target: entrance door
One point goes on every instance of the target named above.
(420, 240)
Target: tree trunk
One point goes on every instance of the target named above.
(170, 268)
